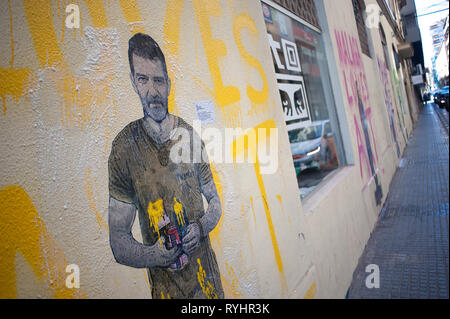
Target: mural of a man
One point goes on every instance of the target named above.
(167, 195)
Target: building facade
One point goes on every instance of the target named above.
(327, 84)
(438, 33)
(442, 57)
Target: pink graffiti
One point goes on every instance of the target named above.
(355, 81)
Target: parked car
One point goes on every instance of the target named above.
(435, 95)
(313, 146)
(441, 98)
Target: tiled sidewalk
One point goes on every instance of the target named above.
(410, 240)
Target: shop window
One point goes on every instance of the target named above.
(302, 74)
(359, 9)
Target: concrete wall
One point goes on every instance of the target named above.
(66, 94)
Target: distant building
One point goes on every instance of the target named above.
(411, 31)
(442, 57)
(437, 34)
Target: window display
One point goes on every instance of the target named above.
(301, 70)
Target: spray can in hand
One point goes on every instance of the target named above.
(173, 239)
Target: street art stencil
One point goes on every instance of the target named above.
(174, 224)
(358, 98)
(293, 100)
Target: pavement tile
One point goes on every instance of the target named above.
(410, 240)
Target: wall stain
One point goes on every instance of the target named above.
(89, 190)
(312, 291)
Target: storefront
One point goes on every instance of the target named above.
(307, 101)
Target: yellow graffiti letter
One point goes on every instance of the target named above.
(214, 49)
(240, 22)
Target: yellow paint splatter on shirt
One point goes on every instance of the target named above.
(178, 209)
(207, 288)
(156, 215)
(165, 297)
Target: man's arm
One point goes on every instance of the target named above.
(126, 249)
(207, 222)
(214, 210)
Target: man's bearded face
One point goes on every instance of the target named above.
(152, 85)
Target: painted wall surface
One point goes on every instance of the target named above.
(338, 221)
(66, 94)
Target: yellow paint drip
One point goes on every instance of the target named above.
(207, 288)
(165, 297)
(63, 21)
(172, 37)
(156, 215)
(83, 99)
(132, 15)
(22, 230)
(178, 209)
(97, 12)
(253, 209)
(89, 190)
(11, 62)
(311, 293)
(252, 151)
(13, 82)
(214, 49)
(235, 285)
(245, 21)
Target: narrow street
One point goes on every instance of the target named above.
(410, 241)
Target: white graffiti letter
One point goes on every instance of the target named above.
(73, 17)
(73, 280)
(373, 16)
(373, 280)
(268, 160)
(180, 152)
(275, 46)
(213, 145)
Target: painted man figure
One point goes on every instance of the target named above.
(166, 194)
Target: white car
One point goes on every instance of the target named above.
(313, 146)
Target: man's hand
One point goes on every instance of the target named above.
(163, 257)
(191, 241)
(126, 250)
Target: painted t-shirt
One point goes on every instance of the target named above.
(142, 173)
